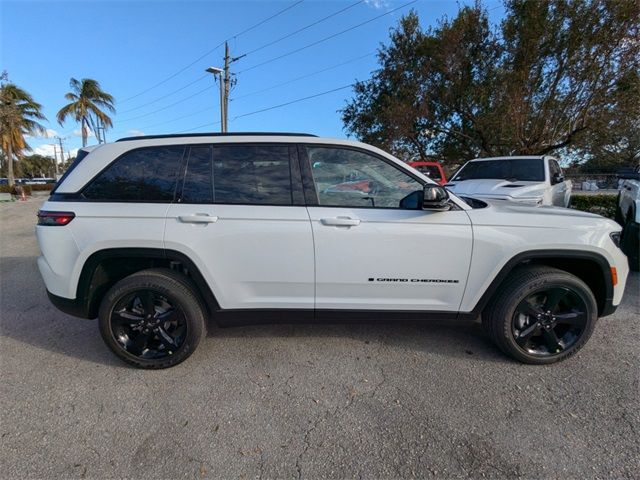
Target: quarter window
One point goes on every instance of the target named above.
(143, 175)
(351, 178)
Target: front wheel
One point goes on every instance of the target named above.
(152, 319)
(541, 315)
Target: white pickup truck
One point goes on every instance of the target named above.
(628, 214)
(532, 180)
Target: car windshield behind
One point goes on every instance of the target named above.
(430, 171)
(522, 169)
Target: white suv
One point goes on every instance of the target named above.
(153, 235)
(533, 180)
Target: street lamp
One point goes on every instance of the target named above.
(218, 71)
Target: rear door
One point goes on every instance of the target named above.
(374, 248)
(240, 216)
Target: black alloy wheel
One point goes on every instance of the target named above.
(153, 318)
(540, 314)
(549, 321)
(148, 325)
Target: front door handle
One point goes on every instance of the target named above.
(198, 218)
(340, 222)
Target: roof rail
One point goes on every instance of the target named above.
(217, 134)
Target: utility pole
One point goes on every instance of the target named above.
(224, 76)
(61, 154)
(226, 87)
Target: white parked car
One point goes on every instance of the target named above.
(531, 180)
(628, 214)
(154, 235)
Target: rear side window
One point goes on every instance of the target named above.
(143, 175)
(252, 174)
(198, 185)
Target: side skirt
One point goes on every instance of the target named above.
(239, 317)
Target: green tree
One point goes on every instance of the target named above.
(19, 115)
(87, 106)
(37, 166)
(550, 76)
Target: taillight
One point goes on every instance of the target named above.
(54, 219)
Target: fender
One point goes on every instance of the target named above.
(91, 280)
(551, 257)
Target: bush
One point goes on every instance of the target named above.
(13, 190)
(42, 188)
(604, 205)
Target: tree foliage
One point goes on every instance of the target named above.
(19, 115)
(552, 75)
(88, 106)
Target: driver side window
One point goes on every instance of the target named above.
(350, 178)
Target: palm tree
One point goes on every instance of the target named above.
(18, 117)
(88, 102)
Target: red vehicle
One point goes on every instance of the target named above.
(433, 170)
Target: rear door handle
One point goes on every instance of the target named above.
(198, 218)
(340, 222)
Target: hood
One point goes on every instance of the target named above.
(497, 187)
(506, 213)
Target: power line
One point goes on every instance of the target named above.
(192, 114)
(326, 38)
(165, 96)
(266, 20)
(273, 107)
(304, 28)
(303, 76)
(168, 106)
(211, 51)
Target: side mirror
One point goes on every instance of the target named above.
(435, 197)
(558, 178)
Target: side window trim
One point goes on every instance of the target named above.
(310, 192)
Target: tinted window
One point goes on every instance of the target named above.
(351, 178)
(147, 174)
(245, 174)
(198, 184)
(524, 169)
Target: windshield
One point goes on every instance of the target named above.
(430, 171)
(523, 169)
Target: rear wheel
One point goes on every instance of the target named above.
(541, 315)
(152, 319)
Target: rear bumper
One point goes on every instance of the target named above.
(70, 306)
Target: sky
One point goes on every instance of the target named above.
(151, 56)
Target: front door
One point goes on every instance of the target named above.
(374, 248)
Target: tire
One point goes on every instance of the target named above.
(152, 319)
(630, 242)
(527, 337)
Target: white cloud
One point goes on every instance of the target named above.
(78, 133)
(378, 4)
(47, 150)
(49, 133)
(135, 133)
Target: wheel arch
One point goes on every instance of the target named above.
(592, 268)
(106, 267)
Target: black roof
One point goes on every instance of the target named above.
(218, 134)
